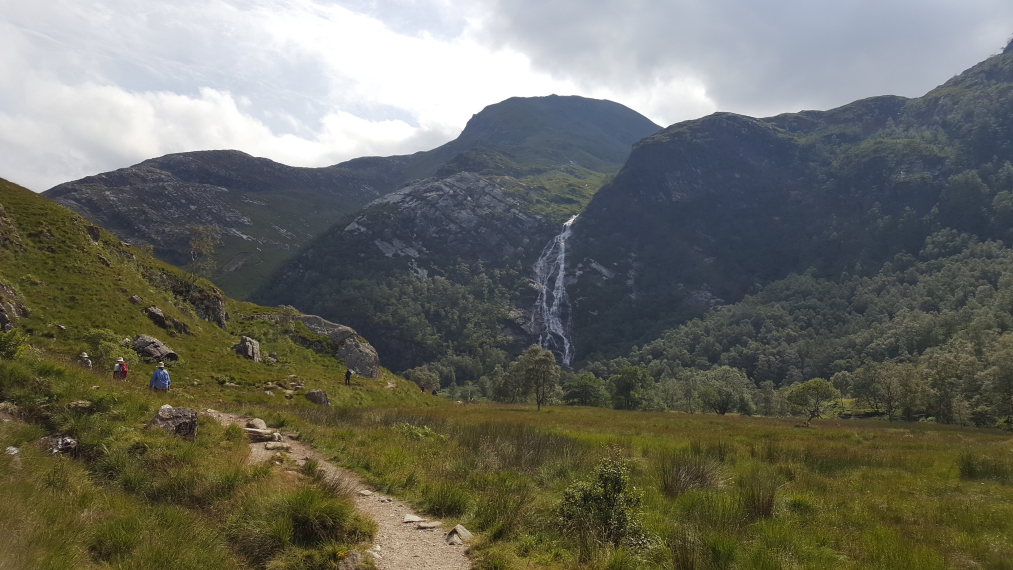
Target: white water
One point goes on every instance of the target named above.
(552, 309)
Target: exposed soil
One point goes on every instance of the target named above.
(397, 545)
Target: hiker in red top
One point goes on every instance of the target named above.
(120, 369)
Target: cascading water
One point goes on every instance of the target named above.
(552, 309)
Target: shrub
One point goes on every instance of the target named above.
(604, 509)
(11, 343)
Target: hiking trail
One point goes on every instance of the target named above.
(397, 545)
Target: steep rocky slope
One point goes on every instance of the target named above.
(438, 269)
(710, 209)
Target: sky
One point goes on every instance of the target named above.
(88, 86)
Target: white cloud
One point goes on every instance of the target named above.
(93, 85)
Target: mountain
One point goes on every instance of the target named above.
(709, 210)
(438, 270)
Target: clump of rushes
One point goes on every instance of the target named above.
(680, 472)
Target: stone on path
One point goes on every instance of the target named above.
(409, 518)
(256, 423)
(365, 492)
(428, 525)
(458, 535)
(277, 446)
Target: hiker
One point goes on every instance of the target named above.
(348, 377)
(83, 360)
(160, 379)
(120, 369)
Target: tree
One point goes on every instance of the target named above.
(632, 388)
(814, 398)
(424, 377)
(585, 389)
(724, 389)
(536, 373)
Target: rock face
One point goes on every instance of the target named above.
(248, 348)
(9, 237)
(318, 397)
(177, 421)
(207, 301)
(357, 353)
(11, 307)
(151, 347)
(168, 323)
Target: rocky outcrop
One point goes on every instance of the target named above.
(168, 323)
(318, 397)
(207, 301)
(12, 307)
(153, 349)
(9, 237)
(248, 348)
(177, 421)
(348, 346)
(360, 356)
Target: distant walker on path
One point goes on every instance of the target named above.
(348, 377)
(160, 379)
(83, 360)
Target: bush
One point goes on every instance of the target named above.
(11, 343)
(604, 509)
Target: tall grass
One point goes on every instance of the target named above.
(680, 472)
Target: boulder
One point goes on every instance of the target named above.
(168, 323)
(256, 423)
(178, 421)
(248, 348)
(151, 347)
(360, 356)
(318, 397)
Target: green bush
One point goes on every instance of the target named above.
(11, 343)
(603, 510)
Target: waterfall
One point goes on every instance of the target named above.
(552, 309)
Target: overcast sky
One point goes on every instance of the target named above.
(87, 86)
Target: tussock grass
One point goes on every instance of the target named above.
(680, 472)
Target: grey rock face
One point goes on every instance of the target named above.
(168, 323)
(358, 354)
(248, 348)
(11, 307)
(9, 237)
(151, 347)
(318, 397)
(177, 421)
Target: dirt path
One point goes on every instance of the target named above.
(397, 545)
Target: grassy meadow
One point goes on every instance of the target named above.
(715, 491)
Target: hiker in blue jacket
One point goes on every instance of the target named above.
(160, 379)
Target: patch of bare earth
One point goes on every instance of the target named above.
(398, 545)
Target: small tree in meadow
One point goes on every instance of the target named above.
(814, 398)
